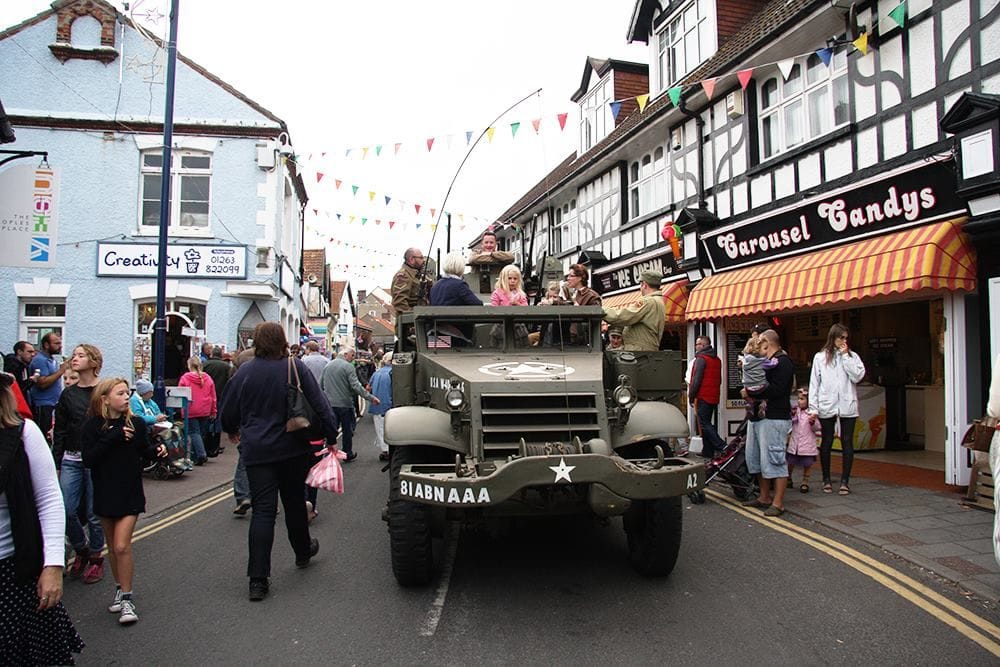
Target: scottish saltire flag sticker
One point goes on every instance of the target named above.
(40, 249)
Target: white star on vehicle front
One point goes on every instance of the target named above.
(562, 470)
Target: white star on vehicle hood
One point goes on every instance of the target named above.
(562, 470)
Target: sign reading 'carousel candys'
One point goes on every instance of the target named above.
(29, 207)
(863, 209)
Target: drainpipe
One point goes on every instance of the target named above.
(699, 123)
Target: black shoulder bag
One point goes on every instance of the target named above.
(302, 418)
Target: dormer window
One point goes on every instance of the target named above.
(685, 40)
(811, 102)
(595, 115)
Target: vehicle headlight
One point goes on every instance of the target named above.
(455, 398)
(624, 395)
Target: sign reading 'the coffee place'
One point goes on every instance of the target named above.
(862, 209)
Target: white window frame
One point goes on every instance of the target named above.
(648, 187)
(179, 226)
(41, 324)
(564, 233)
(689, 32)
(793, 102)
(595, 115)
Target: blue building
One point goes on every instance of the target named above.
(84, 84)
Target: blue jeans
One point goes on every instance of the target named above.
(241, 485)
(347, 419)
(711, 443)
(74, 480)
(196, 427)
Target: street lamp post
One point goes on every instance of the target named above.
(160, 327)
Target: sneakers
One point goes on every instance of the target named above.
(128, 614)
(313, 550)
(258, 589)
(311, 512)
(116, 604)
(242, 508)
(94, 571)
(80, 562)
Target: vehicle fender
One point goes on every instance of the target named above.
(420, 425)
(650, 420)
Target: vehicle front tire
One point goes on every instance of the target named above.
(410, 541)
(653, 529)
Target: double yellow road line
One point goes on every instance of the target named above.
(170, 520)
(970, 625)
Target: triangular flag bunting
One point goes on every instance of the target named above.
(417, 225)
(392, 223)
(826, 55)
(861, 43)
(433, 212)
(616, 106)
(395, 149)
(535, 123)
(468, 137)
(378, 222)
(338, 182)
(417, 208)
(514, 127)
(642, 100)
(364, 220)
(430, 142)
(562, 120)
(315, 211)
(338, 216)
(387, 198)
(350, 220)
(347, 153)
(319, 176)
(785, 66)
(744, 75)
(378, 150)
(354, 190)
(364, 152)
(708, 85)
(371, 196)
(489, 134)
(433, 226)
(899, 14)
(675, 95)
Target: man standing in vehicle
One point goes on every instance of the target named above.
(644, 319)
(703, 393)
(410, 286)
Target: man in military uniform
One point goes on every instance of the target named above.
(488, 253)
(643, 320)
(409, 288)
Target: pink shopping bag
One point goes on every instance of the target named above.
(327, 474)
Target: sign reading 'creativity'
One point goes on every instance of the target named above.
(29, 209)
(191, 261)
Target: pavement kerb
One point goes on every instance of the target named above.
(159, 514)
(976, 587)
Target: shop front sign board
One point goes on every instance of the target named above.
(29, 216)
(627, 274)
(905, 197)
(134, 260)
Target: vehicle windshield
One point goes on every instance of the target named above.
(512, 333)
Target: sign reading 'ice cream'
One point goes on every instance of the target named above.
(132, 260)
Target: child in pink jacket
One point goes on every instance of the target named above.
(802, 449)
(202, 408)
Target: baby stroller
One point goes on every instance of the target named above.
(175, 463)
(730, 466)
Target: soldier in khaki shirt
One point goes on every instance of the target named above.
(643, 320)
(407, 292)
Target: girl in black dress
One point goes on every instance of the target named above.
(113, 443)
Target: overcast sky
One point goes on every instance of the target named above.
(359, 74)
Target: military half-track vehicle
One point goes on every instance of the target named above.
(514, 411)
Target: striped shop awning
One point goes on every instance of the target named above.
(935, 256)
(675, 298)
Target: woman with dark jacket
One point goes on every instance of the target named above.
(34, 627)
(254, 413)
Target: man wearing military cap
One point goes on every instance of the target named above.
(409, 287)
(642, 320)
(615, 339)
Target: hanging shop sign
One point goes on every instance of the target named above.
(904, 198)
(29, 216)
(627, 274)
(133, 260)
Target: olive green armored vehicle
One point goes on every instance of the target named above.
(514, 411)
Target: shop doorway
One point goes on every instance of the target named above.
(179, 347)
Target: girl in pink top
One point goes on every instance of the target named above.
(202, 408)
(802, 449)
(509, 291)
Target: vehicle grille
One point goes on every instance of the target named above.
(538, 418)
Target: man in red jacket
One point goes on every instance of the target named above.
(703, 393)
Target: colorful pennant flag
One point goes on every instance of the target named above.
(744, 75)
(378, 150)
(468, 137)
(430, 142)
(364, 152)
(709, 86)
(861, 43)
(319, 176)
(489, 134)
(826, 55)
(392, 223)
(535, 123)
(642, 100)
(616, 106)
(562, 120)
(387, 198)
(338, 182)
(371, 195)
(785, 66)
(417, 208)
(354, 190)
(395, 149)
(899, 14)
(514, 127)
(675, 95)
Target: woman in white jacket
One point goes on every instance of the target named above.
(832, 396)
(993, 410)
